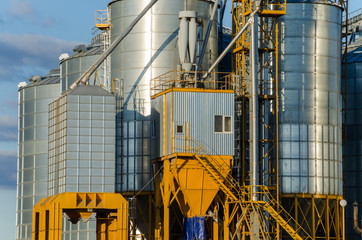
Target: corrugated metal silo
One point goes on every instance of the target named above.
(354, 134)
(73, 66)
(310, 120)
(33, 147)
(148, 51)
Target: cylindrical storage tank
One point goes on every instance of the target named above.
(33, 147)
(74, 66)
(147, 52)
(353, 145)
(310, 119)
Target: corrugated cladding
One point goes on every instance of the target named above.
(81, 142)
(353, 146)
(195, 113)
(32, 149)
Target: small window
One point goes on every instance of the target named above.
(223, 124)
(227, 124)
(179, 129)
(218, 123)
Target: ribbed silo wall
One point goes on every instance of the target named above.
(33, 149)
(310, 118)
(74, 66)
(147, 52)
(310, 126)
(82, 149)
(353, 145)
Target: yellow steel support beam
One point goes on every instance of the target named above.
(111, 210)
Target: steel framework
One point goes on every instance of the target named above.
(324, 211)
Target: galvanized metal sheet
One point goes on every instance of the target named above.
(147, 52)
(310, 108)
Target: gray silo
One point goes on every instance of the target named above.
(147, 52)
(33, 147)
(310, 120)
(354, 135)
(72, 67)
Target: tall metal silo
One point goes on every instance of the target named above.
(33, 147)
(353, 188)
(310, 120)
(147, 52)
(72, 67)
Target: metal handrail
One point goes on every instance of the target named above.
(192, 79)
(102, 17)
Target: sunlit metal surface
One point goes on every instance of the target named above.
(33, 148)
(148, 51)
(310, 103)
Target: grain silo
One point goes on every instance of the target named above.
(33, 147)
(310, 120)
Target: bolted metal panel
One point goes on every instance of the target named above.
(82, 148)
(147, 52)
(73, 67)
(353, 146)
(33, 148)
(310, 146)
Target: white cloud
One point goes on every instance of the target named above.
(8, 129)
(21, 9)
(8, 122)
(24, 54)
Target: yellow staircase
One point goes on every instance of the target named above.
(242, 196)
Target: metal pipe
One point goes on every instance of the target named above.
(254, 151)
(207, 33)
(222, 55)
(85, 76)
(355, 218)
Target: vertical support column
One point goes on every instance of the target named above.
(327, 218)
(277, 118)
(149, 216)
(215, 227)
(254, 106)
(313, 219)
(41, 223)
(166, 199)
(158, 204)
(226, 220)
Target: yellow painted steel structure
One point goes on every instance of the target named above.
(319, 215)
(111, 212)
(102, 19)
(268, 54)
(185, 176)
(199, 181)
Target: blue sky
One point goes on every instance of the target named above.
(33, 33)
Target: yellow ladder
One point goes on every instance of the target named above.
(237, 194)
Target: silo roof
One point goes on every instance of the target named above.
(89, 90)
(53, 77)
(355, 52)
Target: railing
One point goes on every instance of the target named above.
(243, 195)
(353, 17)
(269, 7)
(192, 79)
(102, 18)
(277, 211)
